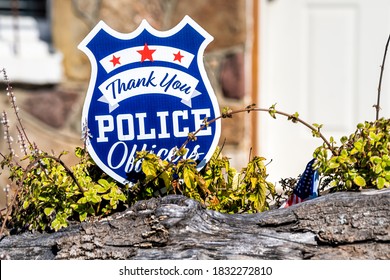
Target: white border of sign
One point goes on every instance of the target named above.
(126, 36)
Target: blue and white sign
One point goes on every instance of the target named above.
(148, 91)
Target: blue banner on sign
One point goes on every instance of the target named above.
(148, 91)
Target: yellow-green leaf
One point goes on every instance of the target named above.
(359, 180)
(189, 177)
(333, 165)
(358, 145)
(26, 204)
(149, 168)
(48, 211)
(380, 182)
(253, 183)
(83, 216)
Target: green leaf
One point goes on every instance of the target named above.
(48, 211)
(359, 180)
(79, 152)
(103, 186)
(82, 200)
(343, 139)
(262, 196)
(358, 145)
(272, 111)
(253, 183)
(227, 112)
(189, 177)
(316, 125)
(83, 216)
(59, 222)
(378, 169)
(333, 165)
(380, 182)
(360, 126)
(93, 197)
(294, 117)
(374, 137)
(375, 159)
(149, 168)
(26, 203)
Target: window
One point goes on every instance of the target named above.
(37, 9)
(25, 40)
(33, 8)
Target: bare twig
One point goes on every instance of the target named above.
(7, 136)
(250, 154)
(377, 106)
(255, 109)
(12, 99)
(68, 170)
(251, 108)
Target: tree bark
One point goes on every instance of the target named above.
(335, 226)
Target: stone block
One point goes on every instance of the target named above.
(126, 15)
(224, 20)
(232, 76)
(51, 107)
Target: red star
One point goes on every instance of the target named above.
(146, 53)
(115, 60)
(178, 56)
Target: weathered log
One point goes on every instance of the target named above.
(335, 226)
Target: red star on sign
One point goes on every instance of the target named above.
(146, 53)
(178, 56)
(115, 60)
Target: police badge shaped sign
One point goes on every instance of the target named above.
(148, 91)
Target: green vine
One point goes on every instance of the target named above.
(48, 195)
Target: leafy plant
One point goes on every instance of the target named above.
(218, 186)
(361, 161)
(48, 194)
(247, 191)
